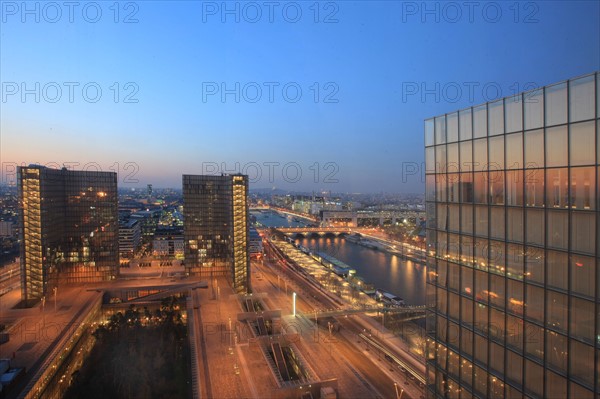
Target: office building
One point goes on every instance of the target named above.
(130, 237)
(512, 220)
(69, 228)
(168, 243)
(215, 213)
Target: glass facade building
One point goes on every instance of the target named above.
(69, 229)
(215, 212)
(513, 287)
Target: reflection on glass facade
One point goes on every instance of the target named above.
(513, 288)
(216, 228)
(70, 228)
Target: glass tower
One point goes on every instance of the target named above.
(513, 287)
(69, 228)
(216, 228)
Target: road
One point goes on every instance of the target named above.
(368, 365)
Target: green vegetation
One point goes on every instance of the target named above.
(138, 354)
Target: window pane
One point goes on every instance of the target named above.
(582, 362)
(453, 185)
(581, 98)
(442, 216)
(496, 187)
(497, 257)
(496, 118)
(480, 154)
(535, 227)
(466, 187)
(534, 109)
(534, 340)
(480, 381)
(515, 297)
(497, 363)
(452, 127)
(497, 294)
(582, 319)
(496, 145)
(514, 332)
(515, 370)
(466, 156)
(535, 303)
(514, 113)
(557, 233)
(583, 275)
(534, 378)
(466, 216)
(514, 223)
(556, 348)
(557, 144)
(534, 187)
(583, 188)
(466, 127)
(467, 337)
(481, 254)
(481, 221)
(430, 160)
(577, 391)
(441, 160)
(557, 309)
(452, 154)
(583, 232)
(454, 218)
(514, 151)
(467, 285)
(534, 264)
(467, 248)
(556, 104)
(557, 187)
(430, 187)
(481, 289)
(440, 130)
(514, 187)
(497, 222)
(534, 144)
(557, 265)
(440, 187)
(556, 385)
(583, 143)
(480, 121)
(480, 342)
(429, 132)
(466, 372)
(431, 214)
(480, 187)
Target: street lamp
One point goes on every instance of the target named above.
(44, 310)
(398, 396)
(294, 303)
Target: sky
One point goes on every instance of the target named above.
(303, 96)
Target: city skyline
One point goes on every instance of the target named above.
(379, 72)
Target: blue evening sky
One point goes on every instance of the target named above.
(361, 68)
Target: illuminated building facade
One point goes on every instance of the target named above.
(216, 228)
(513, 287)
(70, 231)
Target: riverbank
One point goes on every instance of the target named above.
(391, 247)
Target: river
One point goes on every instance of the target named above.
(405, 279)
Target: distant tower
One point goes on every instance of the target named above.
(149, 190)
